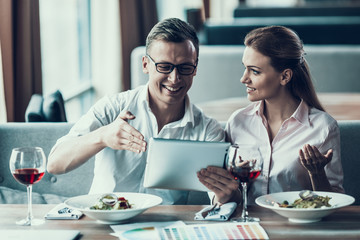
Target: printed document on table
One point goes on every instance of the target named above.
(178, 230)
(143, 230)
(229, 230)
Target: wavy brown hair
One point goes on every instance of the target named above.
(285, 50)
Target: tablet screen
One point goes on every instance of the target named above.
(173, 163)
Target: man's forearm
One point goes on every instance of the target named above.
(74, 152)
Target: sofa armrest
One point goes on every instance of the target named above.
(350, 152)
(44, 134)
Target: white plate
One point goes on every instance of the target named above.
(139, 201)
(303, 215)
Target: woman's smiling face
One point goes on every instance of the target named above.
(262, 81)
(169, 88)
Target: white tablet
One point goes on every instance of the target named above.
(173, 164)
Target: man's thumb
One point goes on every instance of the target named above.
(126, 115)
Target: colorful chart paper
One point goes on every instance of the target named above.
(215, 231)
(141, 234)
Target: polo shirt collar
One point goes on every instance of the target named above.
(189, 111)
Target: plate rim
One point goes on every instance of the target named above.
(158, 200)
(350, 200)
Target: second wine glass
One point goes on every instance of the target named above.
(27, 165)
(244, 163)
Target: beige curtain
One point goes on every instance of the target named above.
(21, 56)
(3, 118)
(137, 17)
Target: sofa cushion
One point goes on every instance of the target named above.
(34, 112)
(13, 196)
(53, 108)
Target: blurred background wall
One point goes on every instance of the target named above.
(83, 47)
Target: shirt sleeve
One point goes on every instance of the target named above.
(100, 114)
(333, 169)
(215, 132)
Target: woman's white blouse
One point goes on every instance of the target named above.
(282, 170)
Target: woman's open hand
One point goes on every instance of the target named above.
(313, 160)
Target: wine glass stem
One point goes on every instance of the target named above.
(244, 213)
(29, 196)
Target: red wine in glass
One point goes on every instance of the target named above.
(27, 165)
(244, 163)
(28, 176)
(245, 176)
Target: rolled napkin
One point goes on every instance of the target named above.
(216, 212)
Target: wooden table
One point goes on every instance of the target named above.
(342, 106)
(343, 224)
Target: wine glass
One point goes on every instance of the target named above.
(244, 163)
(27, 165)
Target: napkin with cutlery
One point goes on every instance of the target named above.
(216, 212)
(62, 211)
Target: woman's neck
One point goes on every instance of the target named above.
(276, 111)
(280, 110)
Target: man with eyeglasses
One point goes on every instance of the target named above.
(116, 129)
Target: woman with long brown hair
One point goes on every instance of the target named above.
(298, 141)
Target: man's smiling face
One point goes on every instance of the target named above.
(170, 88)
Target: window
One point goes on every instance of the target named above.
(80, 42)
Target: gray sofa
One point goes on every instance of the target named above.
(297, 11)
(55, 189)
(52, 188)
(335, 68)
(312, 29)
(321, 23)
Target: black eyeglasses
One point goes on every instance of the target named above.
(183, 69)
